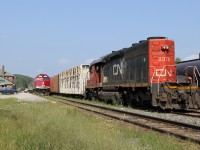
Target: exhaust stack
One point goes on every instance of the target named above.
(3, 71)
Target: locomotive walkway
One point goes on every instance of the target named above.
(178, 129)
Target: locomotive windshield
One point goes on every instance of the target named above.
(46, 78)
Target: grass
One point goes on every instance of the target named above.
(48, 125)
(95, 102)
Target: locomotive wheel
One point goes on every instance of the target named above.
(90, 96)
(184, 101)
(134, 101)
(140, 98)
(117, 99)
(124, 99)
(162, 102)
(169, 100)
(128, 99)
(196, 100)
(162, 105)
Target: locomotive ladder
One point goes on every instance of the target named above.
(195, 69)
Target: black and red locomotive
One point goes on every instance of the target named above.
(144, 73)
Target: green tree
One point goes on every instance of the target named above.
(22, 81)
(178, 59)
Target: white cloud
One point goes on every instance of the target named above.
(190, 57)
(62, 61)
(88, 61)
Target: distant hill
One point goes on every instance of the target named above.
(22, 81)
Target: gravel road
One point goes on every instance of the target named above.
(24, 97)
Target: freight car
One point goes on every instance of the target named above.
(54, 86)
(71, 82)
(40, 85)
(189, 71)
(143, 74)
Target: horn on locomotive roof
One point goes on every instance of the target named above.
(142, 41)
(134, 44)
(156, 37)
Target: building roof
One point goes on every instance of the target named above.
(6, 73)
(4, 81)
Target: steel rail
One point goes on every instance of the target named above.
(178, 129)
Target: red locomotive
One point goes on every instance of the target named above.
(41, 84)
(144, 73)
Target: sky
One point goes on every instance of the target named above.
(48, 36)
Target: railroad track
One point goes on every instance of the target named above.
(181, 130)
(192, 114)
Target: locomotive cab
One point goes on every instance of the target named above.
(95, 71)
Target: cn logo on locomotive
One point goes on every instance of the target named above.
(163, 72)
(116, 69)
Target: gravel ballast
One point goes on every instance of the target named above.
(168, 116)
(24, 97)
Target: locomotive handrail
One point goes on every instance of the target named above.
(161, 74)
(198, 74)
(152, 77)
(195, 67)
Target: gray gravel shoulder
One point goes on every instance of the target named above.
(24, 97)
(168, 116)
